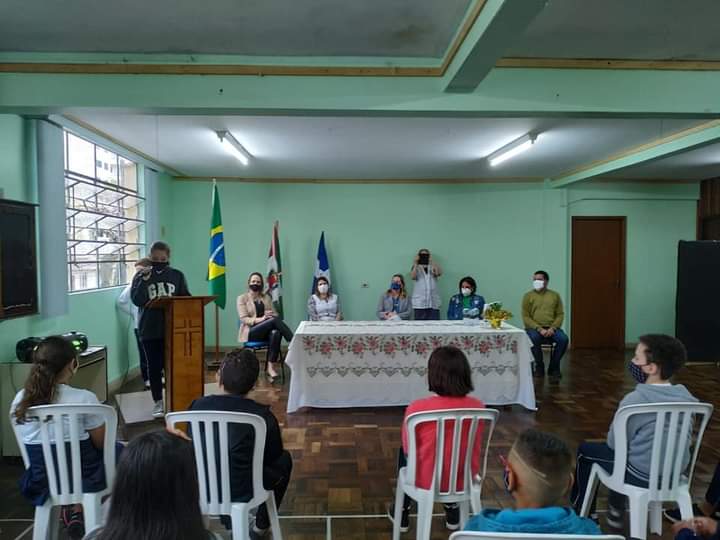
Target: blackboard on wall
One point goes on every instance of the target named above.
(18, 263)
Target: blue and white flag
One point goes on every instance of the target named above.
(322, 267)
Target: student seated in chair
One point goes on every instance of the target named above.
(697, 528)
(54, 364)
(657, 358)
(450, 378)
(236, 377)
(538, 475)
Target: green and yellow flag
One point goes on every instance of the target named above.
(216, 262)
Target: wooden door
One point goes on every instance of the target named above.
(598, 282)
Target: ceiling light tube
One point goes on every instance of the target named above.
(511, 150)
(232, 146)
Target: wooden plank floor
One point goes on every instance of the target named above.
(345, 458)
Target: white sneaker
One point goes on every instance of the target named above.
(158, 410)
(147, 385)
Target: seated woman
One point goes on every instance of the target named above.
(260, 322)
(450, 378)
(323, 305)
(156, 494)
(466, 304)
(395, 305)
(54, 364)
(236, 378)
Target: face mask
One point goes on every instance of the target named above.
(637, 373)
(538, 284)
(322, 288)
(423, 258)
(255, 287)
(465, 291)
(395, 286)
(160, 265)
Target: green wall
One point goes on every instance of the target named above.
(499, 233)
(91, 312)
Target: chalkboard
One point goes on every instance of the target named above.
(18, 265)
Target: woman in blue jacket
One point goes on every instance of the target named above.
(466, 304)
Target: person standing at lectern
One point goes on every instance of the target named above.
(148, 284)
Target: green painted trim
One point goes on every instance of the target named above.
(663, 148)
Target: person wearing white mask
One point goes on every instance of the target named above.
(323, 304)
(466, 304)
(543, 315)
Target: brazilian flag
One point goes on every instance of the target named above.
(216, 262)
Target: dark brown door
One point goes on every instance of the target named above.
(598, 282)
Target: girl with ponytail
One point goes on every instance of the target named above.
(54, 363)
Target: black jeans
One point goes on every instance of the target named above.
(143, 358)
(427, 314)
(600, 453)
(155, 355)
(712, 495)
(272, 331)
(276, 477)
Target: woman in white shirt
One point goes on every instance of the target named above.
(323, 304)
(124, 304)
(54, 364)
(425, 297)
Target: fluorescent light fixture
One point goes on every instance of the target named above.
(232, 146)
(511, 150)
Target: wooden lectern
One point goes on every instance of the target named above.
(184, 348)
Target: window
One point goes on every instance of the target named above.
(104, 216)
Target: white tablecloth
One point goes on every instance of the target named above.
(374, 363)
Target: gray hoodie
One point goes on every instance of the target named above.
(641, 428)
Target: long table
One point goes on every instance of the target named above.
(384, 363)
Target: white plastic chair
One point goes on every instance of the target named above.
(62, 493)
(471, 535)
(669, 480)
(470, 493)
(219, 503)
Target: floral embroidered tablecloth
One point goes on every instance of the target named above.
(372, 363)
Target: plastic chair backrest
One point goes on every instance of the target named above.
(215, 499)
(674, 423)
(457, 418)
(471, 535)
(64, 474)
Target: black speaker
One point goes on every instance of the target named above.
(697, 322)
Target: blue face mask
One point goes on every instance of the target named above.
(395, 286)
(637, 373)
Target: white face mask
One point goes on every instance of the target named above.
(465, 291)
(322, 288)
(538, 284)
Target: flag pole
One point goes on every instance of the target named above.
(217, 335)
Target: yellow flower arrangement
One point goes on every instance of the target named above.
(495, 314)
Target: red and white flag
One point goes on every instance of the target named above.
(274, 271)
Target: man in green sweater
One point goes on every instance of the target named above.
(543, 314)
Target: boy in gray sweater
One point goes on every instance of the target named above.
(657, 358)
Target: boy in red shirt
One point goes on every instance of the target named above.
(450, 378)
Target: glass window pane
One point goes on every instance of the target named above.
(128, 174)
(81, 156)
(109, 274)
(83, 277)
(106, 165)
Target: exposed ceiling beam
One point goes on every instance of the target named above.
(513, 92)
(497, 26)
(664, 147)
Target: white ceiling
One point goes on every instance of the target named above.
(635, 29)
(382, 148)
(396, 28)
(699, 164)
